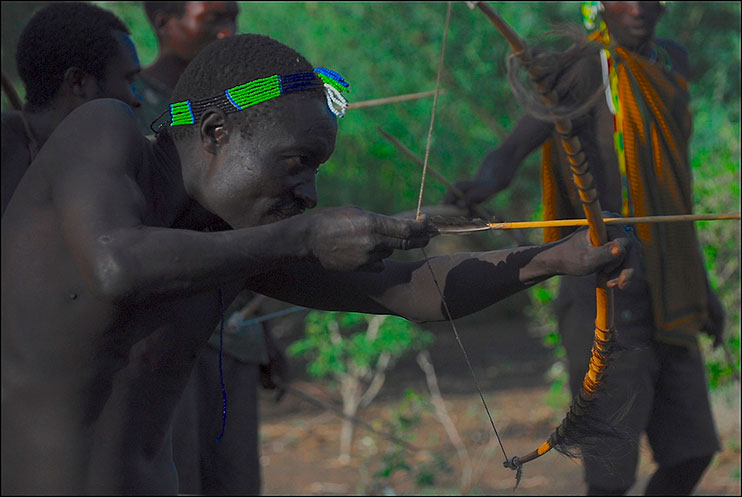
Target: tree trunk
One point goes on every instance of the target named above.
(350, 390)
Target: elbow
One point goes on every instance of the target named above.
(112, 277)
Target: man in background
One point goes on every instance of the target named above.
(69, 53)
(182, 29)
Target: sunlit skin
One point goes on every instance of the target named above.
(110, 286)
(182, 38)
(77, 88)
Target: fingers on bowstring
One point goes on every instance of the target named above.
(404, 234)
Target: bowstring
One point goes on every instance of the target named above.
(435, 106)
(425, 255)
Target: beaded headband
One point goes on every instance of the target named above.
(254, 92)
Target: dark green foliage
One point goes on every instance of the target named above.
(335, 341)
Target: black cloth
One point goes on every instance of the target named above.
(664, 385)
(232, 465)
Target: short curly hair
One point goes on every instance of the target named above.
(235, 60)
(60, 36)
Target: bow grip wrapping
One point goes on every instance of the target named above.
(583, 180)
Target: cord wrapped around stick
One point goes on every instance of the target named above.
(578, 425)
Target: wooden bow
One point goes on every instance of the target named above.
(604, 328)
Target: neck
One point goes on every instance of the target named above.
(183, 211)
(165, 70)
(43, 121)
(644, 48)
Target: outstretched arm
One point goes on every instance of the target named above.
(469, 281)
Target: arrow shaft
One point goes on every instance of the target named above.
(563, 223)
(614, 220)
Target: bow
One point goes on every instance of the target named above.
(564, 435)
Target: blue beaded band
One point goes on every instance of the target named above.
(254, 92)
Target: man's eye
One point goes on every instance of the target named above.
(306, 160)
(297, 162)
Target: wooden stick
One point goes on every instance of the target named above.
(477, 209)
(391, 100)
(583, 222)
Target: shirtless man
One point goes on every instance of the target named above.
(69, 53)
(120, 255)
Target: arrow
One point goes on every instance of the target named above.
(447, 227)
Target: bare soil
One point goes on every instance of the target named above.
(300, 442)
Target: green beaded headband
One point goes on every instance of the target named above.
(259, 90)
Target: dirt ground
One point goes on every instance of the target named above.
(300, 442)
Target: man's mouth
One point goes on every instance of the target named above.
(639, 29)
(287, 212)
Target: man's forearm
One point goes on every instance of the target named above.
(501, 164)
(474, 281)
(469, 282)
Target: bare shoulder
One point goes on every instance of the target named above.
(103, 131)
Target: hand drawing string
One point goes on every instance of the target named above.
(425, 255)
(221, 371)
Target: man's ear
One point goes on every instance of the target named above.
(214, 129)
(78, 83)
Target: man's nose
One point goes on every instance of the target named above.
(134, 99)
(306, 193)
(634, 8)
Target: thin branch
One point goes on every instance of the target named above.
(392, 100)
(423, 359)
